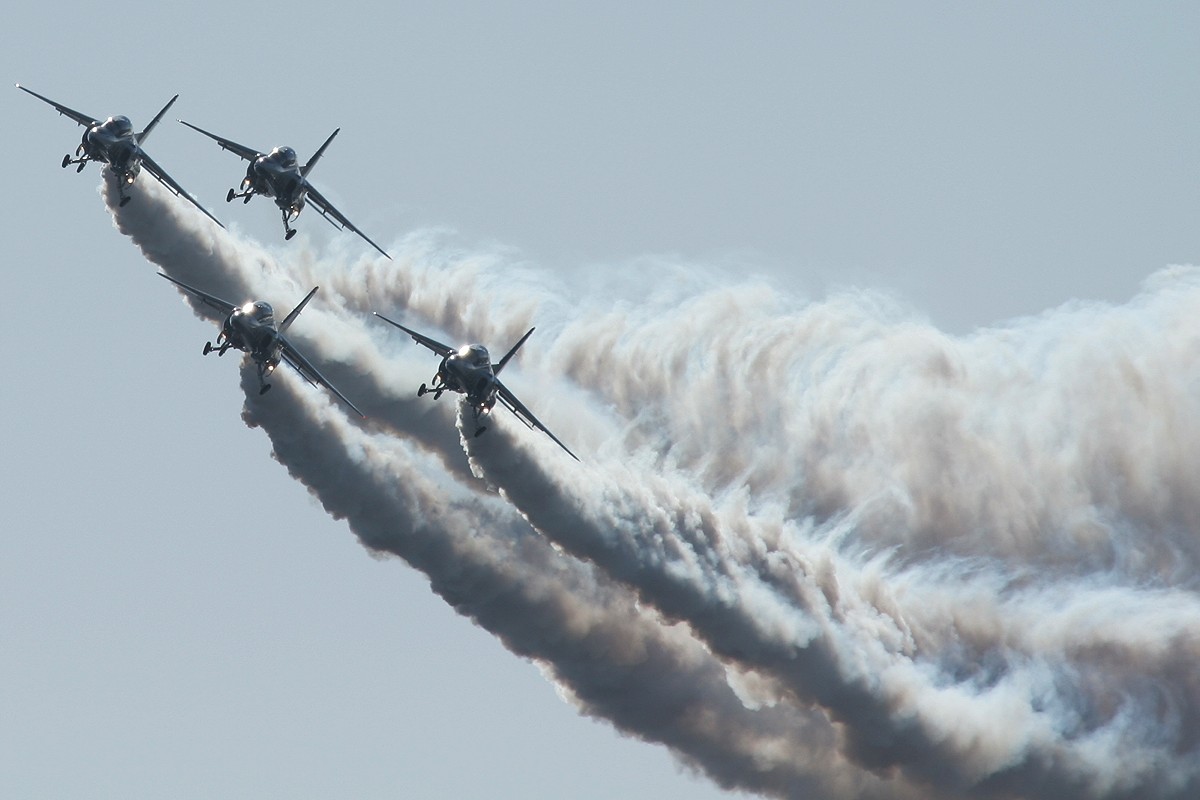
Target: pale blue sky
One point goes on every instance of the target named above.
(178, 618)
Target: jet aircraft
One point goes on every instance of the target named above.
(251, 328)
(279, 175)
(114, 142)
(469, 370)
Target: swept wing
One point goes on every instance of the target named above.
(288, 351)
(433, 344)
(248, 153)
(166, 180)
(333, 215)
(312, 162)
(508, 356)
(224, 306)
(302, 365)
(525, 415)
(82, 119)
(154, 122)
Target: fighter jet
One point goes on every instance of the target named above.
(251, 328)
(113, 142)
(277, 174)
(469, 370)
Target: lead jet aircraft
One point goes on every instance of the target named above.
(469, 370)
(251, 328)
(277, 174)
(113, 142)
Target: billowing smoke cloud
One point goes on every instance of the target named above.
(390, 480)
(993, 590)
(959, 564)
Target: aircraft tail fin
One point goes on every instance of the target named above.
(290, 318)
(497, 367)
(142, 136)
(312, 162)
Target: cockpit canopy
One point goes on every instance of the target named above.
(284, 155)
(118, 126)
(474, 354)
(259, 310)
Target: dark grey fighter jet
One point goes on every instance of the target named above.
(113, 142)
(251, 328)
(278, 174)
(469, 370)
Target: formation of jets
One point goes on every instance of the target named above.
(250, 327)
(275, 174)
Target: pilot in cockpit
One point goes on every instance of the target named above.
(119, 127)
(475, 355)
(284, 155)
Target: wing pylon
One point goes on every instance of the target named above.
(310, 373)
(442, 350)
(248, 153)
(82, 119)
(224, 306)
(525, 415)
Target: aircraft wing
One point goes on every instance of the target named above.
(302, 365)
(158, 172)
(338, 218)
(442, 350)
(248, 153)
(82, 119)
(224, 306)
(525, 415)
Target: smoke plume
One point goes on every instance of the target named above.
(815, 548)
(389, 479)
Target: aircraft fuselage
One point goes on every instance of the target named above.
(277, 175)
(113, 142)
(252, 329)
(469, 371)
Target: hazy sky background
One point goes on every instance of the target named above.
(178, 618)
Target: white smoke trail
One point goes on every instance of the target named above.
(1029, 487)
(391, 481)
(991, 582)
(974, 554)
